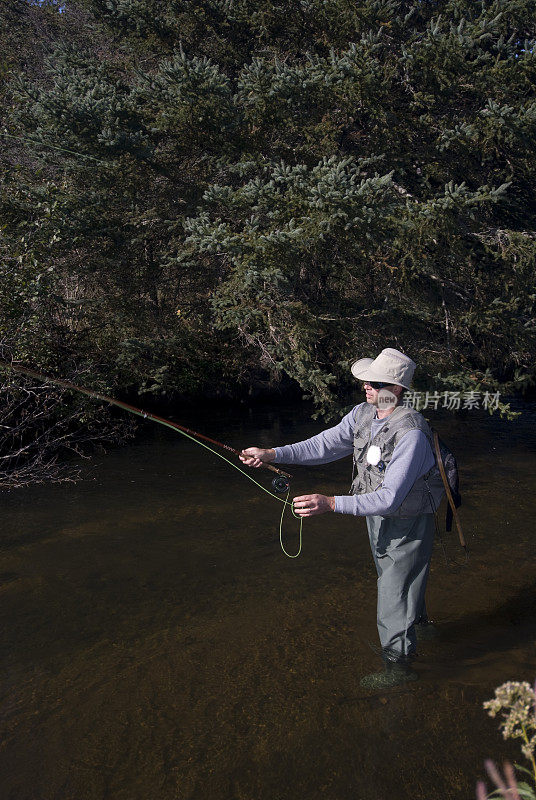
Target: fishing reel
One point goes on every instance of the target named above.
(280, 484)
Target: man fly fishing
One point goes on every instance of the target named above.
(396, 486)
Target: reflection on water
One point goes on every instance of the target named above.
(156, 643)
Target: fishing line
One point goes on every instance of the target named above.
(264, 489)
(53, 147)
(176, 427)
(296, 516)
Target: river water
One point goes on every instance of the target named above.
(158, 645)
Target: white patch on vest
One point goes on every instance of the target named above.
(374, 455)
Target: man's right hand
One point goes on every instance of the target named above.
(256, 456)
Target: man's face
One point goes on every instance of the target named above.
(372, 393)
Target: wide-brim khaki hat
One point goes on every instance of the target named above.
(391, 366)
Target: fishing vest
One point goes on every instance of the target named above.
(425, 495)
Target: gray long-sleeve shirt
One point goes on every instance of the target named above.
(412, 458)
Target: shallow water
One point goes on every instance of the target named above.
(156, 643)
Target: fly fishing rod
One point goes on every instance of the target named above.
(280, 484)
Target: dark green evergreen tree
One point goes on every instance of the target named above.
(206, 195)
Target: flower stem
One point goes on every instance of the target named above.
(531, 756)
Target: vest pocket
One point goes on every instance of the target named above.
(358, 486)
(414, 503)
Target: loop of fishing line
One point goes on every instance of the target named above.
(296, 516)
(264, 489)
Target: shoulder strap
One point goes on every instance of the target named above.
(363, 415)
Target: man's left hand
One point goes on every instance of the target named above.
(310, 504)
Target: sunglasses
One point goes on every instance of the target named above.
(377, 384)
